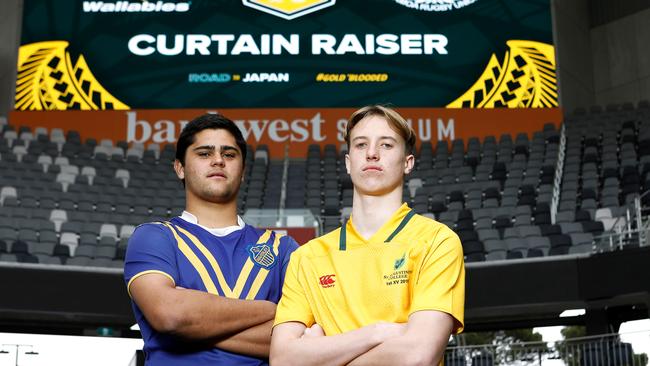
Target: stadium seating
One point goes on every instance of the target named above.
(64, 201)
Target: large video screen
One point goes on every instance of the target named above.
(94, 55)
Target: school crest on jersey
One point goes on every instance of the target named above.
(262, 255)
(401, 274)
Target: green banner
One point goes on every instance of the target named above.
(285, 54)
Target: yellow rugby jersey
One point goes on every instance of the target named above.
(343, 282)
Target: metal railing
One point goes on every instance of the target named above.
(602, 350)
(285, 179)
(644, 237)
(643, 221)
(559, 172)
(632, 228)
(290, 218)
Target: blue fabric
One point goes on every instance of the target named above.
(154, 247)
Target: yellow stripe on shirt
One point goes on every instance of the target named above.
(248, 267)
(151, 271)
(195, 261)
(213, 262)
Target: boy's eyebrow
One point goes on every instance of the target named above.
(222, 148)
(388, 138)
(380, 137)
(205, 147)
(229, 148)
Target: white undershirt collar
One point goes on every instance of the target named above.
(218, 231)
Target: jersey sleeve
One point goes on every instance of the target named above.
(150, 250)
(289, 246)
(440, 281)
(293, 306)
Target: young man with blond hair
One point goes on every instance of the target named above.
(388, 287)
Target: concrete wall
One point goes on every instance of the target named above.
(10, 22)
(608, 63)
(606, 11)
(621, 58)
(573, 53)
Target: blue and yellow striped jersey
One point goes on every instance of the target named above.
(245, 264)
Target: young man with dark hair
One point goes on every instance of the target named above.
(388, 287)
(204, 286)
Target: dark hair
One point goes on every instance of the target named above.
(208, 121)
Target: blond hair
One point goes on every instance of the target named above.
(396, 122)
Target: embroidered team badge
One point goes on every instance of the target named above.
(400, 274)
(399, 263)
(262, 255)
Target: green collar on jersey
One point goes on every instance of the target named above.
(405, 220)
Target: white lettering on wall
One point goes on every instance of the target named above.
(446, 132)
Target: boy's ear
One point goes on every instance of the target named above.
(179, 169)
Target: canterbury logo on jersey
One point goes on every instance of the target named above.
(327, 280)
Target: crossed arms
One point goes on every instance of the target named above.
(240, 326)
(421, 341)
(244, 326)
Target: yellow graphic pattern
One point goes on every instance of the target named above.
(288, 9)
(525, 79)
(48, 80)
(289, 6)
